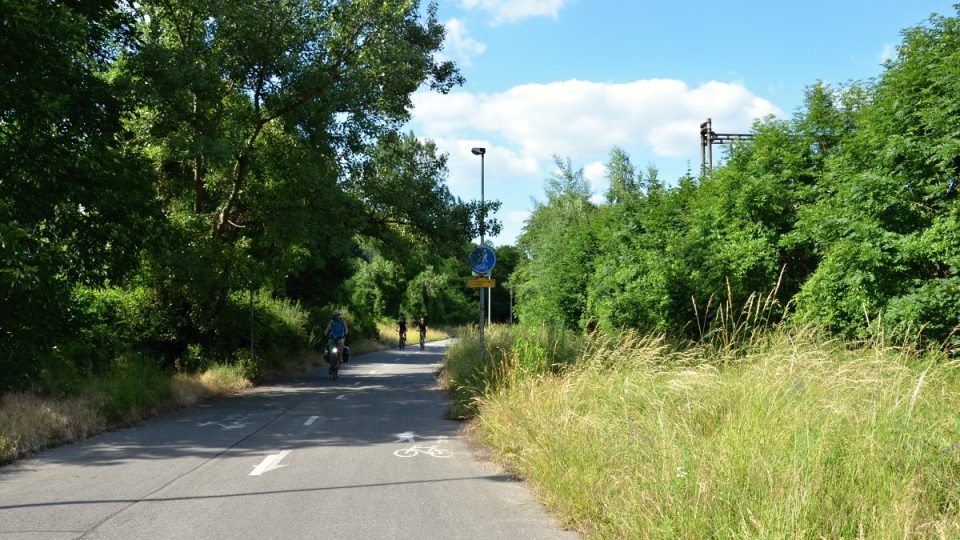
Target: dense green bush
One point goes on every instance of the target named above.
(930, 311)
(135, 387)
(884, 219)
(375, 288)
(280, 328)
(434, 295)
(115, 320)
(510, 351)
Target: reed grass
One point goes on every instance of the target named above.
(785, 436)
(29, 422)
(509, 351)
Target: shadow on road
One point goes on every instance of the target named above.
(377, 395)
(491, 478)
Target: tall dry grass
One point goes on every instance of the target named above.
(731, 328)
(30, 422)
(218, 380)
(797, 438)
(508, 352)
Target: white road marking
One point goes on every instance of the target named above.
(410, 436)
(417, 449)
(342, 396)
(270, 463)
(311, 420)
(235, 421)
(374, 372)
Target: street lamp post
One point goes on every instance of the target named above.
(481, 152)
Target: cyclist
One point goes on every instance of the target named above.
(422, 326)
(336, 332)
(402, 325)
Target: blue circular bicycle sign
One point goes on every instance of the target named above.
(482, 260)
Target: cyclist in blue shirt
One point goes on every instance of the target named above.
(336, 331)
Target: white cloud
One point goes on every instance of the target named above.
(511, 11)
(657, 121)
(889, 52)
(513, 223)
(464, 167)
(517, 217)
(596, 173)
(459, 42)
(582, 118)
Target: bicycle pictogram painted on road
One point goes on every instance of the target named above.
(418, 449)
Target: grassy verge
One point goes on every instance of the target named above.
(135, 390)
(509, 351)
(796, 438)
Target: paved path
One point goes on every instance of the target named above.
(367, 456)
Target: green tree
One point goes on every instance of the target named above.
(558, 245)
(75, 206)
(252, 114)
(438, 296)
(376, 287)
(636, 278)
(886, 217)
(508, 258)
(624, 180)
(405, 200)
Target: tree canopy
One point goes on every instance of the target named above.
(848, 210)
(160, 158)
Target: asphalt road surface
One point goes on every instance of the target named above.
(367, 456)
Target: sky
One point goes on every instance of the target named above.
(574, 78)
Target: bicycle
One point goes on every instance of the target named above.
(403, 339)
(335, 356)
(423, 339)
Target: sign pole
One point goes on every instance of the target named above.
(482, 259)
(253, 322)
(483, 218)
(481, 152)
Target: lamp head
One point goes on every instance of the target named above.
(478, 151)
